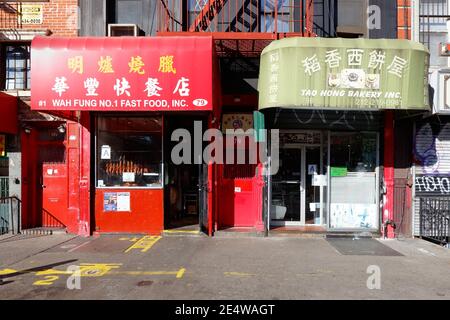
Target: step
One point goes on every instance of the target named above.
(238, 233)
(182, 233)
(352, 234)
(44, 231)
(302, 235)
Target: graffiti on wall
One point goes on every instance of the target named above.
(432, 185)
(353, 215)
(431, 149)
(432, 156)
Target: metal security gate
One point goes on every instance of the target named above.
(435, 219)
(432, 169)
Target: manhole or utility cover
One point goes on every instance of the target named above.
(144, 283)
(361, 247)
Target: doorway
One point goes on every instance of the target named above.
(45, 198)
(297, 196)
(185, 183)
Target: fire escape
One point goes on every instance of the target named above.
(10, 19)
(239, 27)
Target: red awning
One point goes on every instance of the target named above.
(8, 113)
(122, 73)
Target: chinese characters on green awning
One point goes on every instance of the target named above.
(318, 73)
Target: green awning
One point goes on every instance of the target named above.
(344, 74)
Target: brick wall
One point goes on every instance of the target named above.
(404, 19)
(59, 16)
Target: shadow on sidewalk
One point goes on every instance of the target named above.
(36, 269)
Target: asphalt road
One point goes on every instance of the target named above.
(129, 267)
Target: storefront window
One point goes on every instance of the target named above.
(353, 180)
(129, 152)
(356, 152)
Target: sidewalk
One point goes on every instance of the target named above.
(129, 267)
(15, 248)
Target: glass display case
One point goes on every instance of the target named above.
(129, 152)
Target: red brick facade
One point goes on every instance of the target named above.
(60, 17)
(404, 15)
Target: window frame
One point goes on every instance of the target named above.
(160, 186)
(4, 66)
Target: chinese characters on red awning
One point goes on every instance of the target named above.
(122, 74)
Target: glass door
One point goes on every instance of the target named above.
(354, 193)
(288, 188)
(312, 188)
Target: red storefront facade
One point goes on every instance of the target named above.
(122, 95)
(66, 72)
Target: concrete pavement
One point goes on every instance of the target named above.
(136, 267)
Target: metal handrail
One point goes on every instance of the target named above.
(48, 220)
(8, 226)
(51, 221)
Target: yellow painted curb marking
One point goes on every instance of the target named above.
(145, 243)
(92, 270)
(47, 281)
(180, 273)
(7, 271)
(52, 272)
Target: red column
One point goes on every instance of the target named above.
(388, 207)
(85, 170)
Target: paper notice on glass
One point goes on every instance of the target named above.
(312, 169)
(109, 201)
(105, 153)
(128, 177)
(319, 180)
(123, 201)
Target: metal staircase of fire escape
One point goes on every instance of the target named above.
(245, 20)
(246, 14)
(207, 14)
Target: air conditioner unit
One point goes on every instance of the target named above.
(122, 30)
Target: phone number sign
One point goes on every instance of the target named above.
(31, 14)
